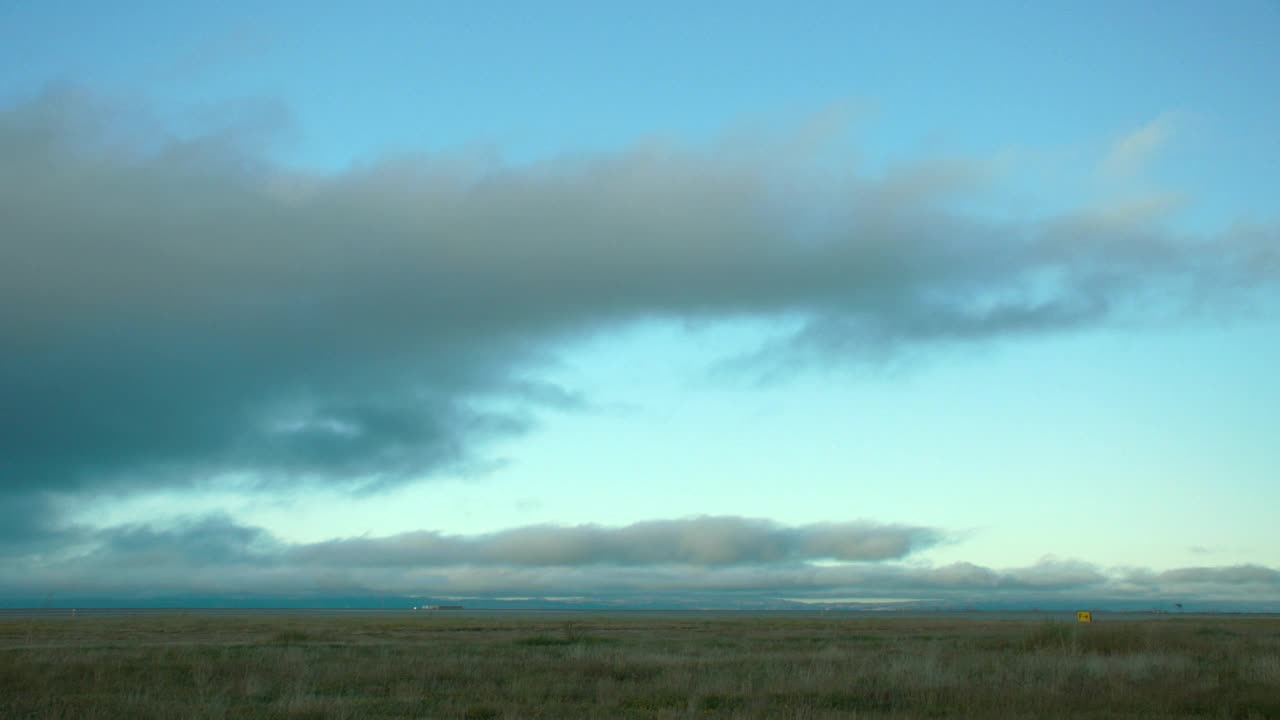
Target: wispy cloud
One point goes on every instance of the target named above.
(1131, 153)
(1232, 575)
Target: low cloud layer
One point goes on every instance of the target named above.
(173, 311)
(723, 560)
(216, 546)
(704, 541)
(699, 541)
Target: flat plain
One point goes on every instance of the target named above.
(442, 666)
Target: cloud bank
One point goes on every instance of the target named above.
(722, 560)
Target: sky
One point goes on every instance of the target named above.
(958, 304)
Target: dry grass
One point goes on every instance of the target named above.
(458, 667)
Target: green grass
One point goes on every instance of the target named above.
(459, 667)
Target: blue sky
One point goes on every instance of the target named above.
(994, 287)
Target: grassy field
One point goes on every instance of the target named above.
(457, 667)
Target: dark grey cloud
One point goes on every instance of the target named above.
(30, 524)
(178, 309)
(214, 540)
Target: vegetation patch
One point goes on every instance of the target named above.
(218, 668)
(290, 637)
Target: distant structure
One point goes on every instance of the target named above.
(438, 607)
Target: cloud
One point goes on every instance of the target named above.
(179, 310)
(1226, 575)
(722, 560)
(29, 524)
(192, 552)
(214, 540)
(704, 541)
(1131, 153)
(701, 541)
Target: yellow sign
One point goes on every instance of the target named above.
(1084, 616)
